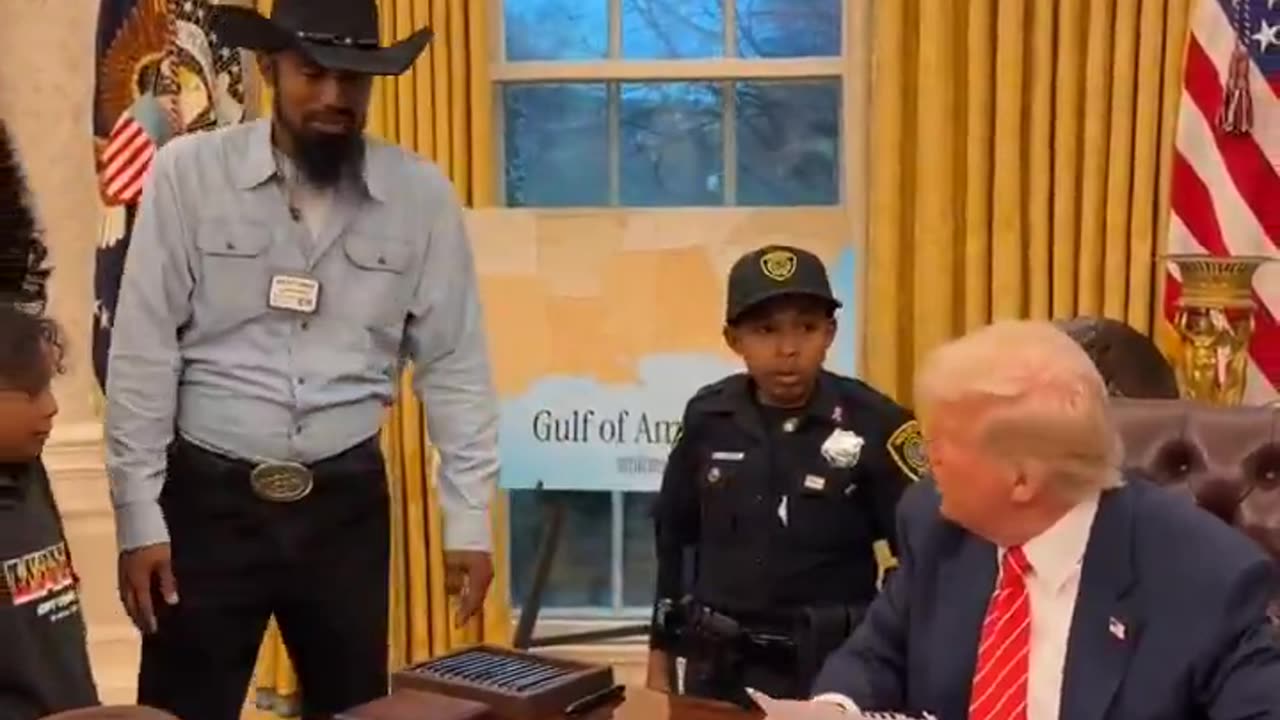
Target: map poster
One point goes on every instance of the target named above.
(596, 352)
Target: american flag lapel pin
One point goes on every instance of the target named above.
(1117, 629)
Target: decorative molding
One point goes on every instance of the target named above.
(666, 70)
(548, 627)
(117, 632)
(75, 447)
(76, 462)
(621, 652)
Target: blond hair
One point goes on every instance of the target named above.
(1037, 398)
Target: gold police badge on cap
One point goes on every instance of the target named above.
(778, 264)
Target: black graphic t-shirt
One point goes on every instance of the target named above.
(44, 664)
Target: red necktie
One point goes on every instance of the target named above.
(1000, 680)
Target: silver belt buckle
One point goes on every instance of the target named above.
(281, 482)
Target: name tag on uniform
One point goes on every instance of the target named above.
(726, 455)
(295, 293)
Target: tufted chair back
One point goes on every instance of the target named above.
(1226, 459)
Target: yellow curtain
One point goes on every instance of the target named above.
(1019, 166)
(442, 110)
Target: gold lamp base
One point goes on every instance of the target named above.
(1215, 322)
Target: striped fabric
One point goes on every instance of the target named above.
(126, 157)
(1004, 652)
(1226, 171)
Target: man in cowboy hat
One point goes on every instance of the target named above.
(280, 273)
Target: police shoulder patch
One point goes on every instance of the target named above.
(906, 447)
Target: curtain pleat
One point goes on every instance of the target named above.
(1020, 154)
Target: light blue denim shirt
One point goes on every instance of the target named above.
(197, 350)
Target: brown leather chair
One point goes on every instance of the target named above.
(1129, 361)
(1225, 459)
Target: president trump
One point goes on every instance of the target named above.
(1037, 580)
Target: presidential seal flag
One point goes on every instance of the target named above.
(160, 72)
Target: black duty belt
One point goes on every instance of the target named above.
(801, 631)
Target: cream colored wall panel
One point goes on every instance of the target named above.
(46, 89)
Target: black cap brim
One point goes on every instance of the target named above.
(781, 293)
(245, 28)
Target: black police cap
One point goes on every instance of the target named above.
(776, 271)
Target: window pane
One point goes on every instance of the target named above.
(788, 28)
(788, 137)
(639, 563)
(580, 575)
(556, 29)
(663, 29)
(672, 152)
(557, 144)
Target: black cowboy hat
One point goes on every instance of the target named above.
(335, 34)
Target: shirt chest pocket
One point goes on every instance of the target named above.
(376, 285)
(720, 498)
(235, 271)
(826, 511)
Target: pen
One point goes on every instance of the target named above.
(595, 700)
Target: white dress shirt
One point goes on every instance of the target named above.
(1056, 556)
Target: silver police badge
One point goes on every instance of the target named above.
(281, 482)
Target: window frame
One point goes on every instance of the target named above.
(852, 68)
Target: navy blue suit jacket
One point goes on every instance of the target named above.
(1170, 622)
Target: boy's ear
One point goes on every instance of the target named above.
(832, 326)
(731, 338)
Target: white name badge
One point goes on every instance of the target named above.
(295, 293)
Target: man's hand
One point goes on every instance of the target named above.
(141, 570)
(818, 708)
(658, 677)
(468, 574)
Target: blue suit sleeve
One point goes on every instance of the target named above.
(1242, 677)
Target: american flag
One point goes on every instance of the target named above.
(126, 157)
(160, 72)
(1226, 169)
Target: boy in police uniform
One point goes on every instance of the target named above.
(44, 666)
(782, 480)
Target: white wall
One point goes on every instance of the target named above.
(46, 81)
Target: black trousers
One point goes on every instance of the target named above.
(318, 564)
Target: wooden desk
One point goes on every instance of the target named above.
(644, 704)
(639, 704)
